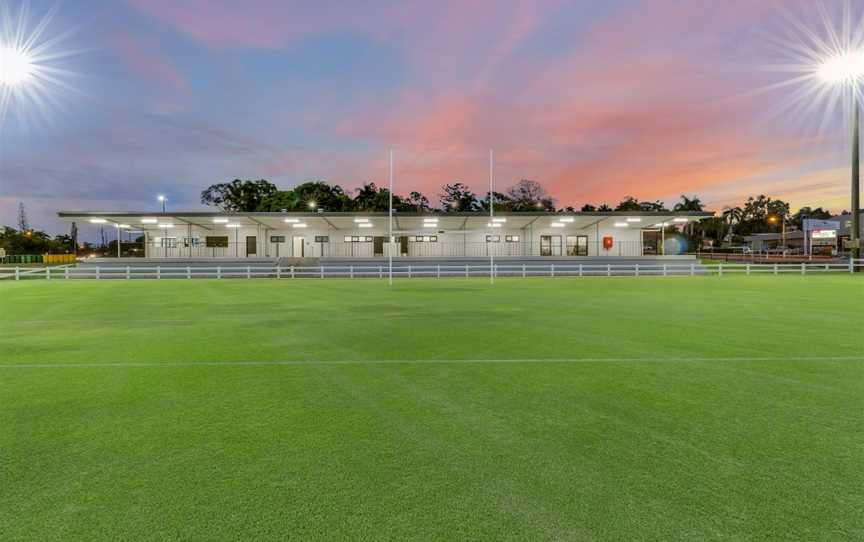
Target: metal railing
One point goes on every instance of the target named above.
(235, 271)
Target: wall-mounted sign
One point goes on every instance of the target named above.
(322, 238)
(277, 238)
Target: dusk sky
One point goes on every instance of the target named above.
(595, 100)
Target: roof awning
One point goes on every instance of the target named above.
(402, 222)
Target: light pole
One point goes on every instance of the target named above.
(847, 68)
(162, 199)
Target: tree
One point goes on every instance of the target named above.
(457, 197)
(308, 196)
(656, 206)
(238, 196)
(528, 195)
(588, 208)
(629, 204)
(604, 208)
(807, 212)
(688, 204)
(503, 203)
(755, 213)
(418, 202)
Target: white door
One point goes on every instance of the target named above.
(298, 247)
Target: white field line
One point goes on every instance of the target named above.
(145, 364)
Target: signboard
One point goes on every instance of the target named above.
(811, 224)
(219, 242)
(277, 238)
(322, 238)
(823, 234)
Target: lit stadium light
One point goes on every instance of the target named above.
(826, 63)
(30, 79)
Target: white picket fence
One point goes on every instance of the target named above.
(158, 272)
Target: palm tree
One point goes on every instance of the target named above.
(691, 205)
(732, 216)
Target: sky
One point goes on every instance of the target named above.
(595, 100)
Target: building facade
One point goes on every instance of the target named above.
(213, 235)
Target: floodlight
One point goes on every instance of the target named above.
(845, 67)
(16, 66)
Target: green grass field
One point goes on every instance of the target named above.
(698, 408)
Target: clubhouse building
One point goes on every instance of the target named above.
(358, 235)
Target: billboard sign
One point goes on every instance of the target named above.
(811, 224)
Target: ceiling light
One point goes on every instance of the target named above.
(634, 219)
(680, 219)
(430, 225)
(301, 225)
(493, 225)
(166, 225)
(98, 221)
(232, 225)
(361, 220)
(364, 225)
(292, 220)
(220, 220)
(557, 225)
(149, 221)
(124, 226)
(621, 224)
(567, 219)
(499, 220)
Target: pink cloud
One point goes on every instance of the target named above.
(146, 58)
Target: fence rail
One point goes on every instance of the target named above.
(159, 272)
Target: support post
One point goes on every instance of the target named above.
(17, 273)
(188, 271)
(218, 271)
(97, 272)
(128, 273)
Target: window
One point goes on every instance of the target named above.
(423, 238)
(433, 238)
(168, 242)
(347, 238)
(493, 238)
(354, 239)
(277, 238)
(193, 242)
(368, 239)
(322, 238)
(511, 238)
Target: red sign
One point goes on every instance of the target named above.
(607, 243)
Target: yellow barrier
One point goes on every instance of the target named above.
(58, 258)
